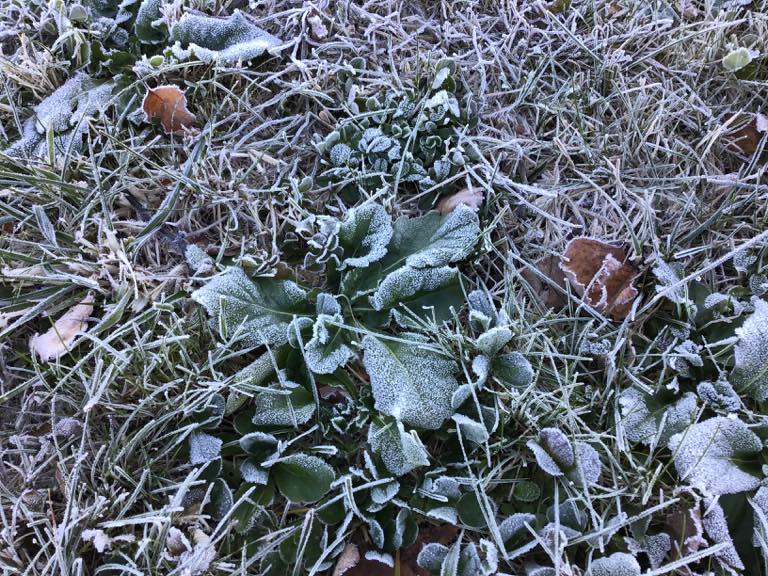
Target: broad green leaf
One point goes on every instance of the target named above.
(433, 240)
(364, 235)
(493, 340)
(261, 309)
(718, 456)
(643, 415)
(303, 478)
(557, 456)
(223, 40)
(750, 373)
(411, 382)
(428, 292)
(280, 409)
(327, 350)
(203, 448)
(737, 59)
(513, 369)
(617, 564)
(149, 24)
(400, 451)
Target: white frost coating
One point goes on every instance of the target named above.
(470, 429)
(514, 369)
(588, 465)
(364, 235)
(223, 40)
(557, 457)
(514, 525)
(617, 564)
(558, 446)
(253, 473)
(431, 556)
(719, 395)
(381, 557)
(203, 448)
(668, 275)
(326, 351)
(655, 546)
(493, 340)
(400, 451)
(704, 455)
(432, 240)
(263, 308)
(641, 424)
(444, 514)
(760, 506)
(340, 154)
(410, 383)
(716, 528)
(276, 409)
(74, 100)
(406, 283)
(750, 372)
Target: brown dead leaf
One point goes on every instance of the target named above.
(471, 197)
(350, 557)
(169, 104)
(59, 337)
(547, 294)
(747, 137)
(599, 273)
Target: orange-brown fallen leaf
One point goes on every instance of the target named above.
(598, 272)
(747, 137)
(59, 337)
(472, 197)
(169, 104)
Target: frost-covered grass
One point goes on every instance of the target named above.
(609, 119)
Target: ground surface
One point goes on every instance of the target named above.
(155, 421)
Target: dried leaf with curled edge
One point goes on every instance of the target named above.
(746, 137)
(599, 273)
(59, 337)
(471, 197)
(169, 104)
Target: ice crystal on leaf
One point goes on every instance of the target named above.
(433, 240)
(364, 235)
(411, 382)
(751, 353)
(651, 421)
(719, 395)
(707, 455)
(260, 309)
(278, 408)
(224, 40)
(203, 447)
(716, 528)
(558, 457)
(400, 451)
(617, 564)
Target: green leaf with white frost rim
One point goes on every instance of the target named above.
(433, 240)
(364, 235)
(410, 382)
(223, 40)
(427, 292)
(513, 369)
(617, 564)
(750, 373)
(303, 478)
(643, 416)
(400, 451)
(261, 309)
(707, 455)
(280, 409)
(737, 59)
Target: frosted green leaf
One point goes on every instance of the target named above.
(429, 292)
(327, 351)
(262, 308)
(364, 235)
(203, 448)
(513, 369)
(669, 275)
(493, 340)
(514, 526)
(739, 58)
(224, 40)
(410, 382)
(617, 564)
(280, 409)
(433, 240)
(470, 429)
(643, 415)
(719, 395)
(707, 455)
(149, 24)
(431, 556)
(760, 507)
(444, 100)
(558, 457)
(340, 154)
(400, 451)
(716, 529)
(750, 373)
(303, 478)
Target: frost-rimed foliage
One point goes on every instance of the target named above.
(408, 138)
(750, 373)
